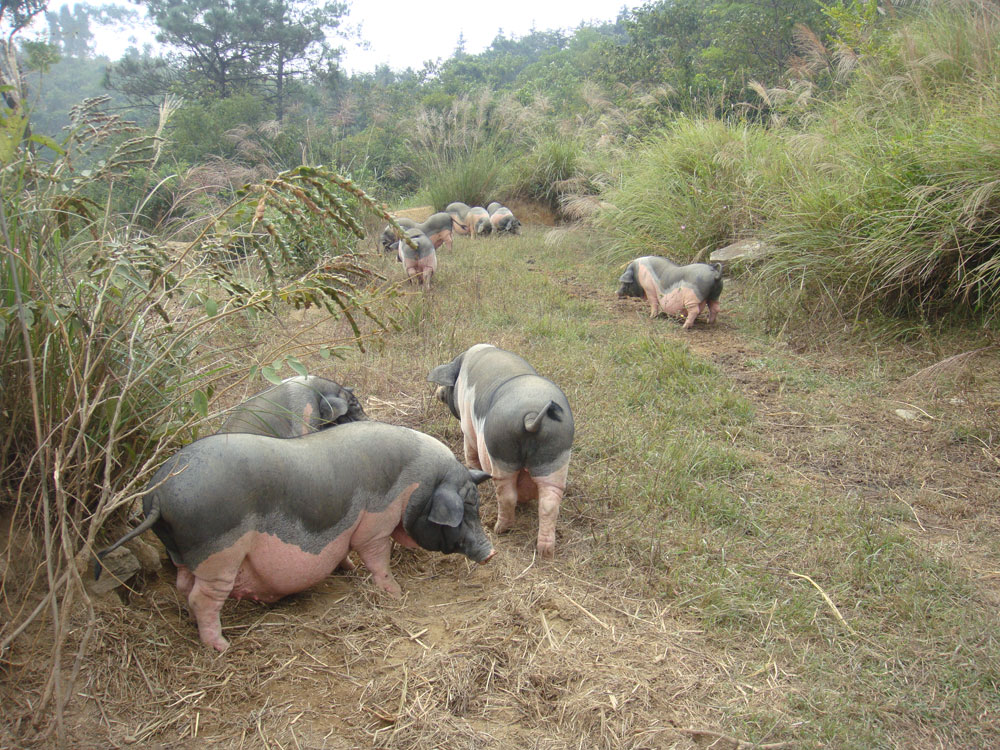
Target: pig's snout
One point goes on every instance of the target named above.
(488, 557)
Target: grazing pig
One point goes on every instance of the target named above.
(472, 221)
(420, 264)
(503, 219)
(251, 516)
(437, 228)
(517, 426)
(389, 239)
(673, 289)
(294, 407)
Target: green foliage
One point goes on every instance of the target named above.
(545, 172)
(200, 130)
(893, 200)
(474, 180)
(686, 191)
(701, 51)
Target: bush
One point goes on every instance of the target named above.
(474, 180)
(688, 190)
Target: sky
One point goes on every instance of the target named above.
(406, 33)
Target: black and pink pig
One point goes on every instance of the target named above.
(258, 517)
(673, 289)
(517, 426)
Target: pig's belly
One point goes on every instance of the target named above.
(440, 238)
(274, 568)
(678, 300)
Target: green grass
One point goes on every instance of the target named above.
(685, 471)
(880, 198)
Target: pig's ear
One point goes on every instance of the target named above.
(445, 374)
(629, 276)
(479, 476)
(447, 508)
(332, 407)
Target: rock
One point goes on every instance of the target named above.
(908, 414)
(119, 566)
(744, 250)
(147, 554)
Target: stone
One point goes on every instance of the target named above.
(119, 566)
(744, 250)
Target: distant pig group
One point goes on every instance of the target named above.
(417, 248)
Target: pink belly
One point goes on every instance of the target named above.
(678, 301)
(440, 238)
(274, 568)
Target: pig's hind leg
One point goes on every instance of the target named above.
(206, 599)
(713, 310)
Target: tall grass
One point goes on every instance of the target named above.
(894, 198)
(110, 344)
(474, 179)
(687, 190)
(882, 197)
(495, 148)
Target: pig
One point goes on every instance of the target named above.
(389, 239)
(437, 228)
(502, 219)
(674, 289)
(420, 264)
(473, 221)
(296, 406)
(517, 426)
(258, 517)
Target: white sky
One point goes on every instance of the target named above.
(406, 33)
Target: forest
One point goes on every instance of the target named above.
(779, 529)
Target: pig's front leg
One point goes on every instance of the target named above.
(471, 452)
(694, 309)
(654, 305)
(375, 556)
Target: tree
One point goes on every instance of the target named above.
(220, 39)
(233, 45)
(293, 29)
(70, 29)
(16, 14)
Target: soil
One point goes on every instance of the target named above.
(521, 652)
